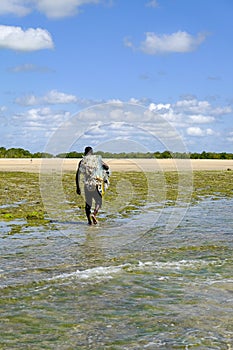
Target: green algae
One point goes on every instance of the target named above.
(20, 196)
(129, 192)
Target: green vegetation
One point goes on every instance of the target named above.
(20, 196)
(21, 153)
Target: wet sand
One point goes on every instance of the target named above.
(55, 164)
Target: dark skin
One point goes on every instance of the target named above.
(78, 191)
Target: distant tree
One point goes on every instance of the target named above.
(2, 152)
(42, 155)
(72, 154)
(37, 155)
(17, 153)
(47, 155)
(61, 155)
(166, 154)
(157, 154)
(223, 155)
(195, 155)
(22, 153)
(179, 155)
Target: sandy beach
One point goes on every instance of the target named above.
(55, 164)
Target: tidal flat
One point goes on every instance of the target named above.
(21, 196)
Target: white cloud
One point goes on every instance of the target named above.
(51, 8)
(211, 132)
(3, 108)
(159, 106)
(166, 111)
(167, 124)
(152, 3)
(61, 8)
(16, 7)
(193, 107)
(179, 42)
(201, 119)
(32, 129)
(27, 101)
(116, 102)
(189, 115)
(197, 131)
(40, 119)
(15, 38)
(222, 110)
(29, 67)
(52, 97)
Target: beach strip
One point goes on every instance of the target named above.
(37, 165)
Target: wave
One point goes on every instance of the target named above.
(102, 273)
(160, 270)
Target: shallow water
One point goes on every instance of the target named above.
(70, 286)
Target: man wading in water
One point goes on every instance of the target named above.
(95, 173)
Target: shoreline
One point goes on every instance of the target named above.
(37, 165)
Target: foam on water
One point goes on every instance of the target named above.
(96, 273)
(102, 273)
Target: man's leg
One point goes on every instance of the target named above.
(98, 204)
(88, 213)
(88, 199)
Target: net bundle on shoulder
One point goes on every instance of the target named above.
(91, 168)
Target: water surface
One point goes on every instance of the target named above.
(64, 287)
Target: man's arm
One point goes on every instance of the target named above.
(78, 191)
(105, 166)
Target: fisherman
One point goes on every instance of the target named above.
(93, 168)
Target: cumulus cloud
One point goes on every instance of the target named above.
(16, 7)
(178, 42)
(61, 8)
(166, 111)
(159, 107)
(32, 128)
(197, 131)
(201, 119)
(166, 124)
(51, 8)
(56, 97)
(191, 113)
(40, 119)
(52, 97)
(15, 38)
(194, 107)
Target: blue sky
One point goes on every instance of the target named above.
(93, 71)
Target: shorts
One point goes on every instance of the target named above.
(90, 195)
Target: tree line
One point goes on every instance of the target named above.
(22, 153)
